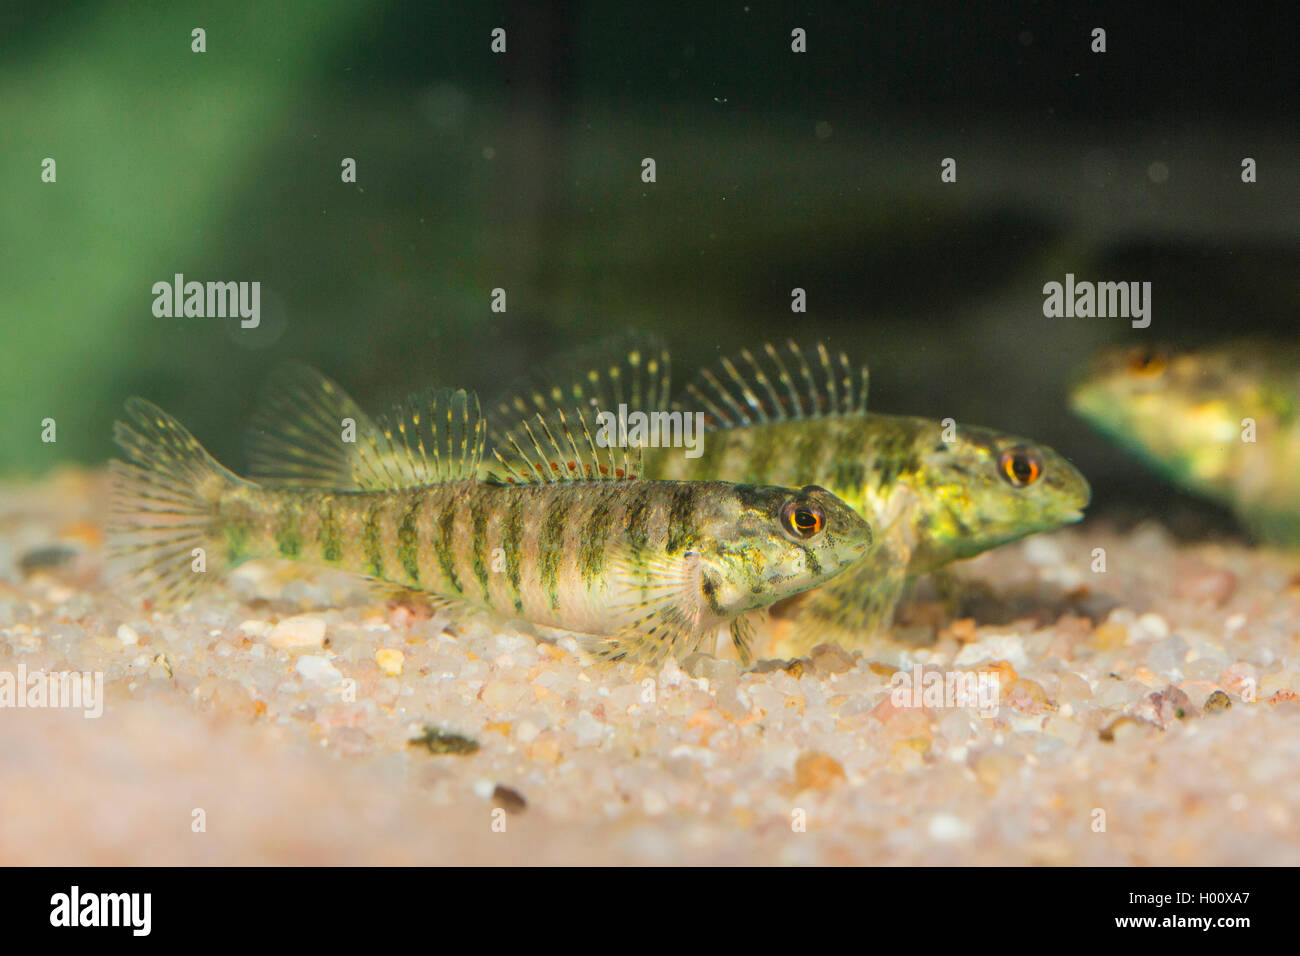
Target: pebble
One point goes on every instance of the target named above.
(831, 659)
(653, 803)
(1217, 703)
(508, 799)
(319, 671)
(1205, 585)
(948, 828)
(439, 742)
(390, 661)
(127, 635)
(588, 731)
(1073, 687)
(502, 695)
(304, 630)
(1271, 684)
(817, 771)
(1154, 626)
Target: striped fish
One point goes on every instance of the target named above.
(569, 538)
(932, 494)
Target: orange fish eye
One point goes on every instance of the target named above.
(1020, 467)
(1146, 361)
(803, 520)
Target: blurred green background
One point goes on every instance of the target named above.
(522, 171)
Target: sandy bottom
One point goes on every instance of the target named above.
(1147, 714)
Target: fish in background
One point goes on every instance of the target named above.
(1222, 421)
(569, 540)
(932, 494)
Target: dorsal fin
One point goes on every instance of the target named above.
(631, 369)
(779, 385)
(560, 446)
(427, 439)
(300, 437)
(297, 434)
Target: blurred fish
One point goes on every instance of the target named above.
(569, 540)
(933, 494)
(1219, 421)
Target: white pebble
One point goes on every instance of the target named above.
(127, 635)
(301, 631)
(319, 670)
(653, 802)
(1155, 625)
(946, 827)
(588, 731)
(1007, 647)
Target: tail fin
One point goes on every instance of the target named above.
(164, 533)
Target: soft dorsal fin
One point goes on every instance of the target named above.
(632, 370)
(309, 433)
(297, 436)
(428, 439)
(780, 385)
(562, 446)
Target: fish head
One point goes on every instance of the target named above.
(985, 488)
(1180, 411)
(764, 543)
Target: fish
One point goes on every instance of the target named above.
(935, 492)
(1221, 421)
(562, 537)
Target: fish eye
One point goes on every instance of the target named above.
(802, 520)
(1020, 467)
(1146, 361)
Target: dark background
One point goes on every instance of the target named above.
(522, 171)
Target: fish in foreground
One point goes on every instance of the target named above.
(933, 495)
(570, 540)
(1223, 422)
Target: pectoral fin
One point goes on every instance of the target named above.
(852, 609)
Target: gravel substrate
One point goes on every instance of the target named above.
(1147, 714)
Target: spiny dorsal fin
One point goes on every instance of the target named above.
(300, 437)
(297, 435)
(780, 385)
(563, 447)
(426, 440)
(632, 370)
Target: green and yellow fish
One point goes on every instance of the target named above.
(934, 492)
(571, 540)
(1222, 421)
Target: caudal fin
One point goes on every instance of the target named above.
(164, 531)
